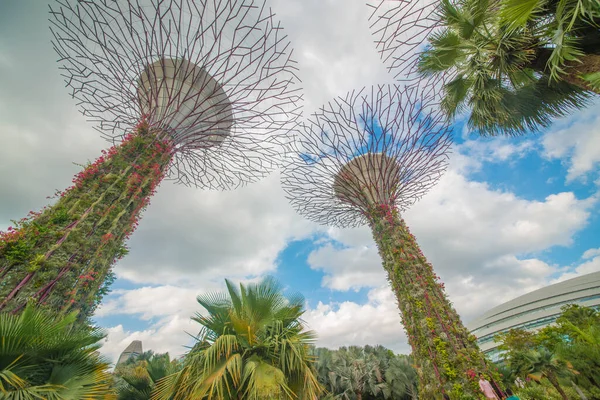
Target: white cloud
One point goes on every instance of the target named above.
(460, 223)
(591, 263)
(591, 253)
(464, 228)
(352, 267)
(166, 310)
(191, 235)
(166, 336)
(576, 142)
(472, 154)
(349, 323)
(333, 45)
(174, 300)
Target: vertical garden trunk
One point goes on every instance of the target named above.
(61, 257)
(447, 357)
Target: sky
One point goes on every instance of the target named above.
(509, 216)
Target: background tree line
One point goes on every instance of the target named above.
(365, 373)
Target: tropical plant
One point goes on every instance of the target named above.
(574, 342)
(516, 64)
(401, 379)
(47, 357)
(542, 363)
(366, 373)
(252, 345)
(580, 328)
(546, 392)
(357, 373)
(137, 377)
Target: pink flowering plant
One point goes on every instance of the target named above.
(62, 256)
(447, 357)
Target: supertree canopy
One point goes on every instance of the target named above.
(201, 92)
(400, 29)
(363, 159)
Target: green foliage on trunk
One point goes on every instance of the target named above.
(447, 357)
(61, 257)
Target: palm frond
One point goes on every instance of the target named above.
(252, 344)
(517, 13)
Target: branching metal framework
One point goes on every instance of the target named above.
(375, 145)
(228, 128)
(401, 29)
(203, 92)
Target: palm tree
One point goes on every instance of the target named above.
(401, 379)
(252, 346)
(361, 373)
(137, 377)
(46, 357)
(516, 64)
(542, 363)
(358, 373)
(324, 367)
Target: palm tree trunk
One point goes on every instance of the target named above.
(588, 64)
(554, 381)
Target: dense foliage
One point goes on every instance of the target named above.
(252, 346)
(61, 257)
(136, 378)
(446, 356)
(558, 361)
(515, 64)
(44, 357)
(366, 373)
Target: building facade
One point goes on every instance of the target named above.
(534, 310)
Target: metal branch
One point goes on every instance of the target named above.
(401, 29)
(216, 75)
(379, 145)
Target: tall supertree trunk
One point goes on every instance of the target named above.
(447, 357)
(61, 257)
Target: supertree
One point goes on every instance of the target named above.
(363, 159)
(201, 92)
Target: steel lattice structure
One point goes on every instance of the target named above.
(400, 29)
(248, 98)
(388, 120)
(203, 92)
(363, 159)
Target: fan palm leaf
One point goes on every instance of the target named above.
(45, 357)
(515, 65)
(252, 345)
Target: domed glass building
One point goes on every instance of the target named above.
(534, 310)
